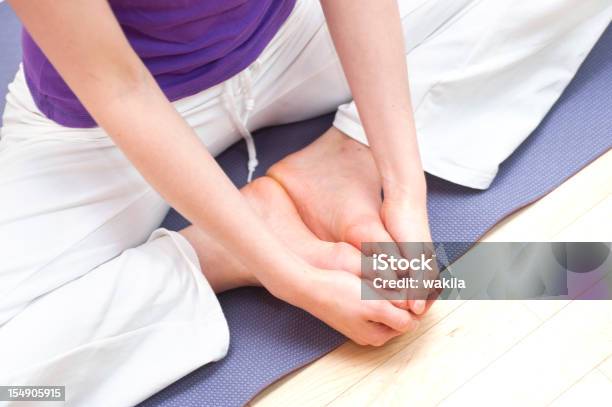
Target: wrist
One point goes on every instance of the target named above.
(409, 190)
(399, 163)
(406, 218)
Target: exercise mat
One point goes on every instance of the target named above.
(270, 339)
(10, 50)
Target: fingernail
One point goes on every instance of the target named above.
(418, 307)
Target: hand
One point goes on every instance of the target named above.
(405, 218)
(335, 298)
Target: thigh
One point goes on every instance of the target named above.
(70, 202)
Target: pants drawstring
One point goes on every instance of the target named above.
(240, 114)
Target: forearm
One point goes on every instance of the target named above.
(168, 154)
(369, 41)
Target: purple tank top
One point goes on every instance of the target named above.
(188, 45)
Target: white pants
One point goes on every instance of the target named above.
(93, 297)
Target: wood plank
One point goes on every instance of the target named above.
(438, 362)
(545, 309)
(593, 226)
(557, 210)
(593, 390)
(322, 381)
(606, 367)
(546, 362)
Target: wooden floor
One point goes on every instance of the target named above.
(470, 353)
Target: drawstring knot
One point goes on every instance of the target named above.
(240, 114)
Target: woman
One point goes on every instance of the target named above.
(120, 107)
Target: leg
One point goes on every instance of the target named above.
(491, 68)
(271, 202)
(85, 299)
(453, 49)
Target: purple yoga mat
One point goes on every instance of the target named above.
(270, 338)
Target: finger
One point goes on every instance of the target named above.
(417, 306)
(397, 319)
(424, 250)
(384, 244)
(380, 242)
(418, 300)
(398, 297)
(348, 258)
(433, 296)
(380, 334)
(373, 231)
(405, 298)
(401, 304)
(431, 299)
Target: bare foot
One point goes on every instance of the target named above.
(330, 295)
(336, 188)
(270, 201)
